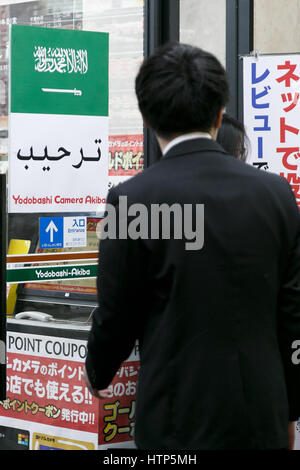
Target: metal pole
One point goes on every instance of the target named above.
(232, 54)
(161, 26)
(245, 44)
(239, 41)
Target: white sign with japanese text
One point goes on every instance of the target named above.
(272, 115)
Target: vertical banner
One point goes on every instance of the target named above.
(117, 412)
(272, 115)
(3, 246)
(58, 121)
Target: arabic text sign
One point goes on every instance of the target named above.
(59, 121)
(272, 115)
(60, 60)
(57, 163)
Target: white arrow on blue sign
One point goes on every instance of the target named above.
(51, 232)
(51, 227)
(63, 232)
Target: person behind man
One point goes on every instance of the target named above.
(233, 138)
(217, 322)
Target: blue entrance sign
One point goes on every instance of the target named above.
(63, 232)
(51, 232)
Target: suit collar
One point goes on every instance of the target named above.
(184, 138)
(194, 146)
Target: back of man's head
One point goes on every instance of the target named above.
(181, 89)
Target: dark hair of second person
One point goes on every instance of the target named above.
(233, 138)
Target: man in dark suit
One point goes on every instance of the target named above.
(217, 322)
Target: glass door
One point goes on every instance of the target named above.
(51, 281)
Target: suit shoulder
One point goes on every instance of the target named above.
(260, 176)
(269, 179)
(271, 185)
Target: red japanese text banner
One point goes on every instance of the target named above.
(272, 115)
(48, 406)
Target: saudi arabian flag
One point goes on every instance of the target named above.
(58, 122)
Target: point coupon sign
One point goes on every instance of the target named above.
(58, 152)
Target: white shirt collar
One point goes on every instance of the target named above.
(184, 137)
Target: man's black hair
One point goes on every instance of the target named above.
(181, 89)
(233, 138)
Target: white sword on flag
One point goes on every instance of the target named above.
(75, 92)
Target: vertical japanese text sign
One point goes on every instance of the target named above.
(58, 153)
(272, 115)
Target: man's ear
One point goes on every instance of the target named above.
(219, 120)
